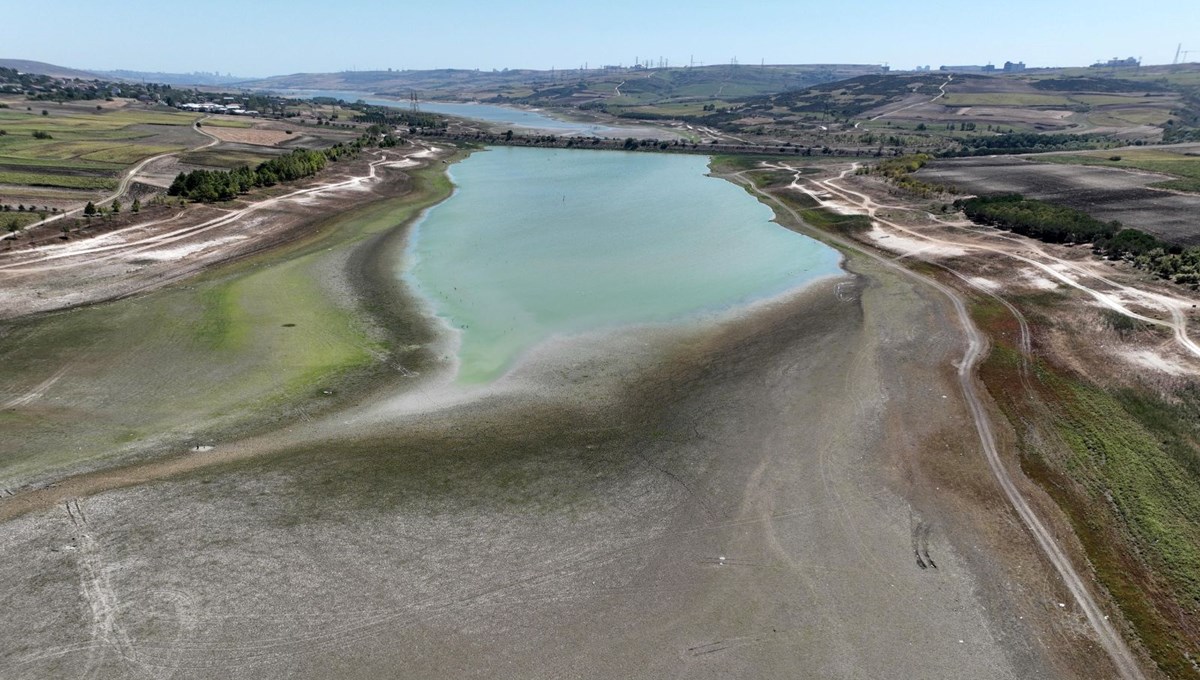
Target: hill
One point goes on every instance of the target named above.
(43, 69)
(197, 78)
(574, 87)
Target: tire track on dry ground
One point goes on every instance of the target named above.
(1108, 637)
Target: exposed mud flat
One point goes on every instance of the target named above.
(793, 490)
(738, 500)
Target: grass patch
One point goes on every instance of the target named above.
(1186, 169)
(1191, 185)
(225, 123)
(823, 218)
(17, 219)
(1006, 99)
(126, 154)
(220, 158)
(221, 354)
(1177, 165)
(63, 181)
(10, 162)
(1125, 468)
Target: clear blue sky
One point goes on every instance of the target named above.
(267, 37)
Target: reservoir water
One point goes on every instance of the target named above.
(540, 242)
(495, 115)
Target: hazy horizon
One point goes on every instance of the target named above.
(267, 39)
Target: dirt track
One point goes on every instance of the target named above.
(1110, 639)
(794, 490)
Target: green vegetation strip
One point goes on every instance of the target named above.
(222, 354)
(64, 181)
(1059, 224)
(899, 172)
(1125, 468)
(1185, 168)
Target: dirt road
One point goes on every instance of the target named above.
(131, 174)
(1112, 642)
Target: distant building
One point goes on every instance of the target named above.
(968, 68)
(1128, 62)
(1010, 67)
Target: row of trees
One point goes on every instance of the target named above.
(1036, 219)
(90, 210)
(899, 172)
(1148, 252)
(1027, 142)
(1060, 224)
(207, 186)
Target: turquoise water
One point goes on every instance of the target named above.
(540, 242)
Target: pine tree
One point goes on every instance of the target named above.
(89, 209)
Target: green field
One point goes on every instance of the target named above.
(12, 218)
(248, 341)
(93, 146)
(1185, 168)
(220, 158)
(34, 179)
(225, 122)
(1125, 116)
(1006, 99)
(1122, 464)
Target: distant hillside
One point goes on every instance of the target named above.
(44, 69)
(574, 86)
(172, 78)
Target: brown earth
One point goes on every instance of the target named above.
(1104, 193)
(793, 490)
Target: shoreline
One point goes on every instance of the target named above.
(766, 479)
(653, 486)
(426, 350)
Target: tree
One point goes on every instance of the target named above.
(45, 112)
(136, 207)
(116, 207)
(89, 209)
(508, 136)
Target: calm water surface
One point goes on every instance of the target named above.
(504, 116)
(540, 242)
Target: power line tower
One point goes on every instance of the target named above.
(414, 102)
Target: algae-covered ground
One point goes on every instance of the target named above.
(273, 336)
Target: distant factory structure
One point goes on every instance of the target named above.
(1128, 62)
(1009, 67)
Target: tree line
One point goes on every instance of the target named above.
(1026, 142)
(1060, 224)
(207, 186)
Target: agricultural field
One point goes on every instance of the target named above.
(1181, 163)
(1104, 193)
(82, 148)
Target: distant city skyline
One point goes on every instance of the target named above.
(274, 38)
